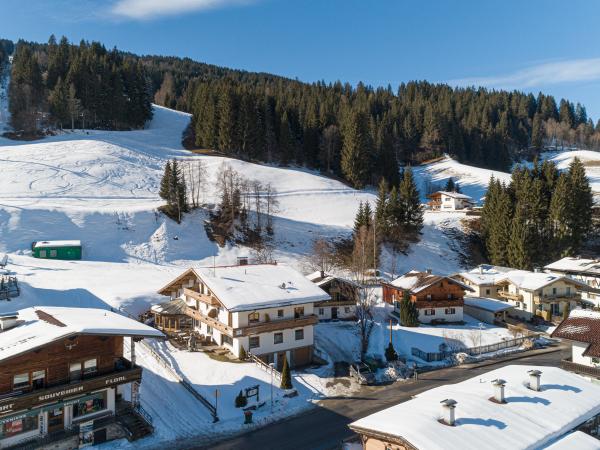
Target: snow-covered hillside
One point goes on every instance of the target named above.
(473, 181)
(590, 159)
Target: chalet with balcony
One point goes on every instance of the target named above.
(584, 270)
(449, 201)
(266, 309)
(344, 295)
(538, 294)
(63, 367)
(438, 298)
(482, 279)
(582, 330)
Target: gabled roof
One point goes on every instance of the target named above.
(572, 265)
(253, 286)
(44, 244)
(320, 281)
(415, 281)
(582, 326)
(40, 326)
(484, 274)
(528, 420)
(532, 281)
(453, 194)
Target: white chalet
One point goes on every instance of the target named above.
(268, 309)
(449, 201)
(585, 270)
(514, 407)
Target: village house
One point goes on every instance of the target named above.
(514, 407)
(538, 294)
(63, 370)
(266, 309)
(582, 330)
(449, 201)
(584, 270)
(437, 298)
(344, 295)
(482, 279)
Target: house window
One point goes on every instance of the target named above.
(595, 360)
(53, 254)
(517, 304)
(38, 379)
(253, 317)
(428, 296)
(20, 381)
(321, 311)
(90, 367)
(298, 312)
(225, 339)
(554, 291)
(254, 342)
(19, 426)
(347, 309)
(450, 310)
(487, 292)
(89, 405)
(430, 312)
(280, 313)
(278, 338)
(42, 253)
(75, 371)
(299, 334)
(208, 330)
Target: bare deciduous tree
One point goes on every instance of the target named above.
(322, 256)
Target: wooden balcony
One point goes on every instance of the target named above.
(510, 296)
(569, 365)
(208, 299)
(573, 297)
(275, 325)
(215, 323)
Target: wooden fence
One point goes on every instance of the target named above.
(440, 356)
(266, 367)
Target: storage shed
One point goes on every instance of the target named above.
(487, 309)
(67, 250)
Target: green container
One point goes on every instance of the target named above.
(65, 250)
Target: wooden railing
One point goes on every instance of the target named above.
(195, 314)
(569, 365)
(274, 325)
(208, 299)
(556, 298)
(510, 296)
(266, 367)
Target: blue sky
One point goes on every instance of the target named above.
(529, 45)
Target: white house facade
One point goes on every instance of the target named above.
(584, 270)
(450, 201)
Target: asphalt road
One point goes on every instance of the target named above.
(325, 426)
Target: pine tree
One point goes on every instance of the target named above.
(359, 218)
(560, 217)
(581, 201)
(410, 202)
(381, 212)
(409, 315)
(519, 245)
(165, 192)
(286, 376)
(390, 353)
(241, 400)
(243, 354)
(355, 150)
(450, 187)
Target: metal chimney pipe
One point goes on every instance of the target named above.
(499, 385)
(534, 379)
(448, 413)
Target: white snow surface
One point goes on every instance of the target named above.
(241, 288)
(44, 244)
(576, 440)
(489, 304)
(528, 420)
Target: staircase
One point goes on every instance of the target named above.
(137, 423)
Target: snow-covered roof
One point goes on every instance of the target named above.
(531, 281)
(576, 440)
(582, 325)
(415, 281)
(44, 244)
(488, 304)
(174, 307)
(316, 278)
(576, 265)
(529, 419)
(242, 288)
(454, 195)
(484, 274)
(40, 326)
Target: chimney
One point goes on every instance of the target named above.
(536, 270)
(534, 379)
(8, 320)
(242, 260)
(448, 407)
(322, 274)
(499, 385)
(428, 271)
(480, 269)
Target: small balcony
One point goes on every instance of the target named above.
(275, 325)
(553, 298)
(510, 296)
(582, 369)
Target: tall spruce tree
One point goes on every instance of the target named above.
(410, 202)
(356, 149)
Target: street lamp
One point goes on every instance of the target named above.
(272, 366)
(480, 332)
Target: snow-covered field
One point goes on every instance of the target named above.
(590, 159)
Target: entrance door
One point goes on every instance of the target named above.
(555, 309)
(334, 314)
(56, 420)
